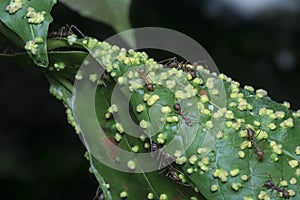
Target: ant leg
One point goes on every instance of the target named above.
(77, 29)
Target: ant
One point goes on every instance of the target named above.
(99, 194)
(187, 120)
(270, 185)
(259, 152)
(172, 173)
(165, 157)
(174, 63)
(64, 32)
(149, 85)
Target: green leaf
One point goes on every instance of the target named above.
(225, 155)
(112, 12)
(36, 32)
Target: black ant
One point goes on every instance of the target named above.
(64, 31)
(259, 152)
(99, 194)
(174, 63)
(149, 85)
(270, 185)
(187, 120)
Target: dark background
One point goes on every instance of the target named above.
(40, 155)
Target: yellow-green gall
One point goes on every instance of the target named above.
(135, 148)
(78, 75)
(272, 126)
(260, 93)
(92, 77)
(263, 196)
(197, 81)
(119, 128)
(234, 95)
(229, 114)
(170, 84)
(249, 88)
(59, 66)
(261, 135)
(241, 154)
(140, 108)
(274, 157)
(35, 17)
(289, 123)
(236, 126)
(146, 145)
(243, 105)
(144, 124)
(204, 168)
(14, 6)
(165, 109)
(131, 164)
(248, 198)
(205, 111)
(232, 104)
(296, 114)
(219, 135)
(221, 174)
(146, 97)
(297, 172)
(209, 124)
(194, 198)
(123, 194)
(177, 154)
(256, 123)
(151, 101)
(280, 114)
(283, 183)
(244, 177)
(293, 163)
(293, 181)
(228, 124)
(204, 98)
(113, 74)
(181, 160)
(143, 137)
(292, 193)
(193, 159)
(122, 80)
(215, 92)
(31, 46)
(150, 195)
(286, 104)
(210, 83)
(163, 197)
(189, 170)
(235, 186)
(243, 133)
(205, 160)
(297, 150)
(201, 150)
(234, 172)
(118, 137)
(213, 188)
(245, 144)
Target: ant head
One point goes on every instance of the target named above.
(268, 184)
(260, 155)
(150, 87)
(177, 106)
(286, 194)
